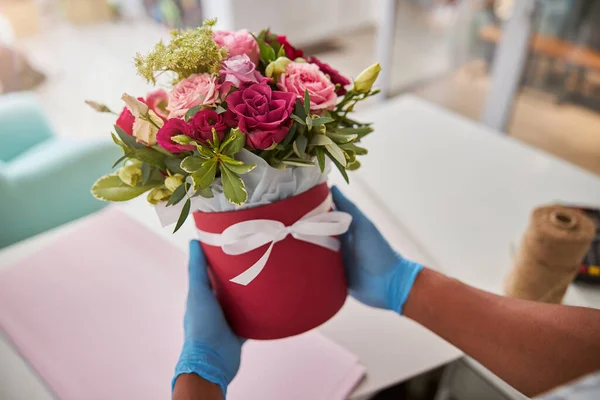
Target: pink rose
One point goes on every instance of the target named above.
(238, 43)
(198, 89)
(157, 101)
(240, 69)
(299, 77)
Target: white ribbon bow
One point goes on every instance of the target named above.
(315, 227)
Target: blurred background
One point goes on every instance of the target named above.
(65, 51)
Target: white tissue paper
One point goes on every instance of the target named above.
(264, 184)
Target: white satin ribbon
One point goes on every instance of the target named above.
(315, 227)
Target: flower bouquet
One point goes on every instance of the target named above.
(243, 138)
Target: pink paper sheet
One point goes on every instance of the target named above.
(98, 314)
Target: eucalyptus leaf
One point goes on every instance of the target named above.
(300, 146)
(321, 158)
(185, 211)
(289, 136)
(341, 168)
(337, 153)
(206, 174)
(146, 173)
(361, 132)
(322, 121)
(233, 187)
(191, 112)
(112, 188)
(174, 165)
(177, 195)
(127, 140)
(151, 157)
(320, 140)
(297, 162)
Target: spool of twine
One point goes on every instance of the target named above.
(556, 241)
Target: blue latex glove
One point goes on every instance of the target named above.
(211, 349)
(377, 275)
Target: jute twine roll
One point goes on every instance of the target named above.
(556, 241)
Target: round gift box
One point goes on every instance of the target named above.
(301, 286)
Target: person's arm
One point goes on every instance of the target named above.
(532, 346)
(193, 387)
(211, 352)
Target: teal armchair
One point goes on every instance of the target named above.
(45, 180)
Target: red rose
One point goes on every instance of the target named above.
(290, 51)
(174, 127)
(203, 123)
(264, 115)
(334, 75)
(125, 121)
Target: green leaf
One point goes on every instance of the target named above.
(300, 146)
(360, 151)
(320, 140)
(204, 151)
(337, 153)
(230, 160)
(322, 121)
(192, 164)
(233, 187)
(306, 102)
(177, 195)
(354, 166)
(340, 167)
(233, 143)
(173, 164)
(181, 139)
(342, 139)
(361, 132)
(112, 188)
(119, 161)
(146, 173)
(216, 140)
(185, 211)
(191, 112)
(298, 162)
(281, 52)
(127, 140)
(309, 123)
(206, 193)
(220, 109)
(321, 158)
(289, 136)
(206, 174)
(151, 157)
(298, 119)
(267, 54)
(299, 110)
(239, 169)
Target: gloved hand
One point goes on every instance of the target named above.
(377, 275)
(211, 349)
